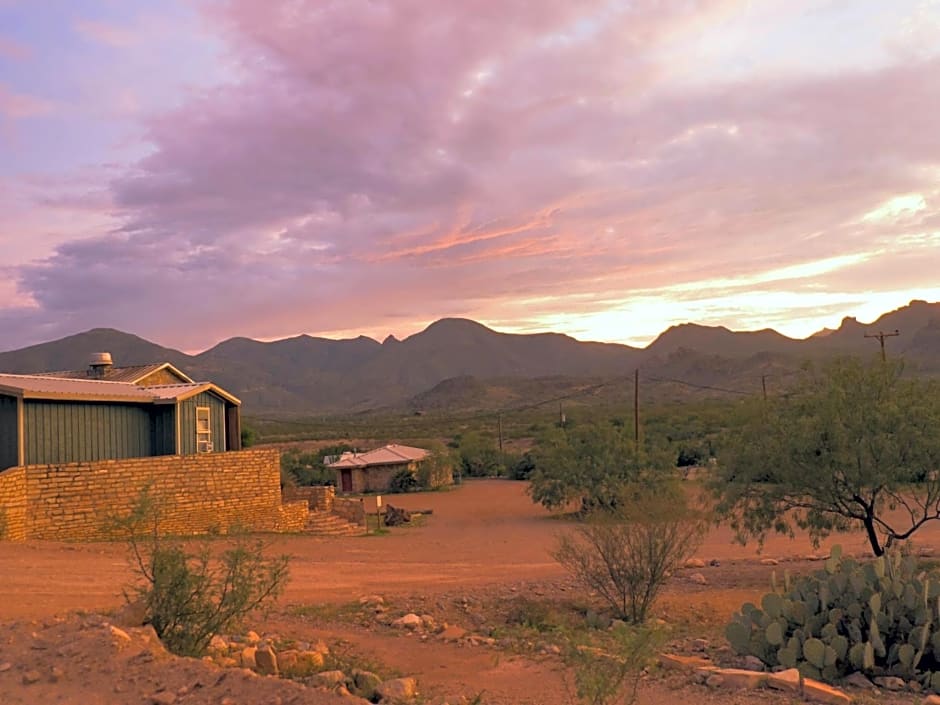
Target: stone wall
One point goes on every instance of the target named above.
(193, 494)
(318, 497)
(375, 478)
(13, 504)
(351, 509)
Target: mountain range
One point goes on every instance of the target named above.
(458, 363)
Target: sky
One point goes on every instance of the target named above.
(193, 170)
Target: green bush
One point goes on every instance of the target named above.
(403, 481)
(879, 618)
(191, 595)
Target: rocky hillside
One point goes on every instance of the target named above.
(458, 363)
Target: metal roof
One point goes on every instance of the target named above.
(130, 373)
(387, 455)
(53, 388)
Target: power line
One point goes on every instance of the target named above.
(699, 386)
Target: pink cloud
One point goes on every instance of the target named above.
(18, 106)
(12, 49)
(106, 33)
(372, 159)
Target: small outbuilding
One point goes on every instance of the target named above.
(109, 413)
(373, 471)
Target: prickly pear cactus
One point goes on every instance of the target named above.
(880, 617)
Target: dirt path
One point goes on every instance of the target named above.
(487, 531)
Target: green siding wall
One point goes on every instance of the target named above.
(63, 432)
(8, 432)
(163, 430)
(188, 421)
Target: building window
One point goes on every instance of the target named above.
(203, 430)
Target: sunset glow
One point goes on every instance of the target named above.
(192, 170)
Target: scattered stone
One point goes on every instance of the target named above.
(932, 700)
(714, 563)
(287, 661)
(695, 563)
(227, 701)
(699, 644)
(428, 622)
(371, 600)
(714, 680)
(252, 637)
(397, 689)
(248, 657)
(858, 680)
(266, 660)
(409, 621)
(739, 678)
(890, 683)
(698, 579)
(56, 674)
(822, 693)
(31, 677)
(914, 686)
(164, 697)
(329, 679)
(217, 643)
(453, 633)
(769, 561)
(121, 637)
(789, 680)
(675, 662)
(366, 683)
(6, 666)
(752, 663)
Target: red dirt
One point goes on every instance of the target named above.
(483, 538)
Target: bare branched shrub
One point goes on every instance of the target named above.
(626, 556)
(190, 595)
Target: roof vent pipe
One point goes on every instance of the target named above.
(99, 364)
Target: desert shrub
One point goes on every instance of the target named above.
(611, 674)
(627, 555)
(437, 469)
(529, 613)
(189, 595)
(403, 481)
(522, 467)
(248, 436)
(300, 468)
(880, 618)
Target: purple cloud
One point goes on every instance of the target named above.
(372, 165)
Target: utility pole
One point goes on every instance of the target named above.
(499, 431)
(636, 408)
(561, 416)
(881, 339)
(763, 385)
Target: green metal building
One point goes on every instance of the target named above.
(111, 413)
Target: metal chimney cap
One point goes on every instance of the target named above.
(100, 359)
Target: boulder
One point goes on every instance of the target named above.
(409, 621)
(858, 680)
(452, 633)
(695, 563)
(789, 680)
(328, 679)
(247, 657)
(890, 683)
(397, 690)
(266, 660)
(822, 693)
(698, 579)
(366, 683)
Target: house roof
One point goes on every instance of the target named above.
(131, 373)
(386, 455)
(59, 388)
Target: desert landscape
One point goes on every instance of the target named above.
(484, 547)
